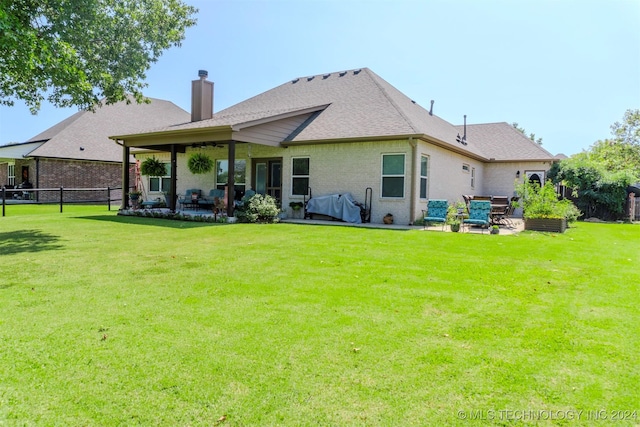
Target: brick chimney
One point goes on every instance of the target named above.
(201, 97)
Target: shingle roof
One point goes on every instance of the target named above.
(501, 141)
(84, 135)
(360, 104)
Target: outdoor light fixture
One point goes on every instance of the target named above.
(517, 174)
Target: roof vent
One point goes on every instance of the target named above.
(463, 140)
(295, 81)
(357, 71)
(310, 78)
(203, 74)
(326, 76)
(342, 74)
(431, 109)
(413, 102)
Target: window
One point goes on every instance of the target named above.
(424, 164)
(392, 175)
(465, 167)
(300, 176)
(161, 183)
(11, 174)
(239, 176)
(473, 177)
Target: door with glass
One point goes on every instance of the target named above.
(267, 177)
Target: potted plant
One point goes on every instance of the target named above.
(134, 197)
(296, 207)
(135, 194)
(152, 167)
(542, 210)
(455, 214)
(494, 229)
(200, 163)
(388, 218)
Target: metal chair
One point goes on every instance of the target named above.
(436, 212)
(479, 212)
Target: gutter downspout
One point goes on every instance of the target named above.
(414, 171)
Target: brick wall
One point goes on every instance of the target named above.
(4, 170)
(54, 174)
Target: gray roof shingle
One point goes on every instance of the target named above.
(360, 104)
(90, 131)
(501, 141)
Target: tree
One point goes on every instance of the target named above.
(600, 176)
(628, 131)
(76, 52)
(532, 136)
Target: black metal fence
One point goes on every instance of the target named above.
(60, 196)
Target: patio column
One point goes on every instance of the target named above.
(174, 178)
(230, 180)
(125, 176)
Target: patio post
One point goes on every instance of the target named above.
(174, 178)
(230, 180)
(125, 176)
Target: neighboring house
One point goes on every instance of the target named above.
(336, 133)
(77, 153)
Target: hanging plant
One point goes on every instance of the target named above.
(200, 163)
(153, 167)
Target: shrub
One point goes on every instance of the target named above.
(542, 202)
(259, 208)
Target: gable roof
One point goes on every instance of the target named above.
(342, 106)
(84, 135)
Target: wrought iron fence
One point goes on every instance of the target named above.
(61, 196)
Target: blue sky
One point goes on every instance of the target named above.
(564, 70)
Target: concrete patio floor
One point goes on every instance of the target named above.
(514, 225)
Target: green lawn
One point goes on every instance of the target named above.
(108, 320)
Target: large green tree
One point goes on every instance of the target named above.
(600, 175)
(77, 52)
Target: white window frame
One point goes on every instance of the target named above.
(294, 177)
(161, 179)
(473, 177)
(403, 175)
(11, 174)
(424, 178)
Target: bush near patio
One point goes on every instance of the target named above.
(541, 201)
(259, 208)
(110, 320)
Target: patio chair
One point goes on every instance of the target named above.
(499, 208)
(190, 199)
(436, 212)
(479, 211)
(209, 202)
